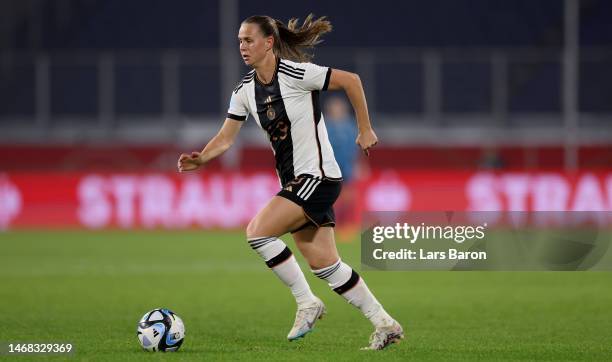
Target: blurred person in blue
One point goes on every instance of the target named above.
(342, 133)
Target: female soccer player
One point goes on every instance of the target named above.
(282, 95)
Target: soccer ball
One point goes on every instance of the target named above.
(160, 330)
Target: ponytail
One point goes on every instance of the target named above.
(290, 41)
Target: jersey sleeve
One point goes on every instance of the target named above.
(316, 77)
(238, 109)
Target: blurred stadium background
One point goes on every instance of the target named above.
(480, 106)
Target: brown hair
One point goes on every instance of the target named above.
(291, 42)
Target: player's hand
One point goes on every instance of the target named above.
(366, 140)
(189, 162)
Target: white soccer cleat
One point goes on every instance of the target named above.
(384, 336)
(305, 319)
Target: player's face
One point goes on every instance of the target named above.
(253, 45)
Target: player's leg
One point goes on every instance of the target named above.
(319, 248)
(278, 217)
(317, 245)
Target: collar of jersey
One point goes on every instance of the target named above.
(278, 59)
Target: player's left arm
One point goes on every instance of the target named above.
(352, 86)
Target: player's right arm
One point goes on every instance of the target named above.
(214, 148)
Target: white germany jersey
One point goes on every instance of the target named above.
(288, 109)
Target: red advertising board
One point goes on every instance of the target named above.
(229, 200)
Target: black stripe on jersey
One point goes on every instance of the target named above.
(249, 77)
(298, 73)
(327, 77)
(292, 70)
(236, 117)
(299, 70)
(316, 110)
(353, 280)
(284, 255)
(287, 70)
(290, 74)
(273, 118)
(241, 84)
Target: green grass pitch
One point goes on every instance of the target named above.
(90, 289)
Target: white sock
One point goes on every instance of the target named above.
(279, 258)
(346, 282)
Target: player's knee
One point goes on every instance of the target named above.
(322, 261)
(253, 230)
